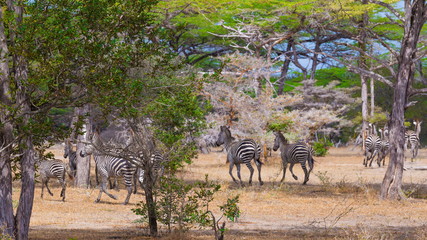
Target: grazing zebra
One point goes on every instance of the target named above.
(372, 146)
(54, 169)
(72, 157)
(294, 153)
(239, 152)
(412, 138)
(110, 166)
(384, 146)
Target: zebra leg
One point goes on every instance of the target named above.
(47, 187)
(306, 176)
(130, 190)
(43, 182)
(251, 170)
(230, 171)
(63, 183)
(374, 154)
(291, 167)
(135, 181)
(102, 189)
(238, 174)
(258, 165)
(285, 165)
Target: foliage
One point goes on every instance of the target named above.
(185, 205)
(321, 147)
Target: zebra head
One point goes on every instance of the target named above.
(223, 136)
(67, 148)
(279, 139)
(87, 150)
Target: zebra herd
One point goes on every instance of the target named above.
(379, 146)
(238, 152)
(107, 167)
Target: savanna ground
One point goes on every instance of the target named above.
(339, 202)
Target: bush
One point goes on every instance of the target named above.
(321, 147)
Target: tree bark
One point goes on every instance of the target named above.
(83, 163)
(414, 20)
(363, 78)
(148, 188)
(6, 137)
(25, 206)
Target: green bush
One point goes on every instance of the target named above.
(321, 147)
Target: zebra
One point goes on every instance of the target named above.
(412, 138)
(110, 166)
(72, 157)
(54, 169)
(294, 153)
(156, 164)
(239, 152)
(384, 146)
(372, 146)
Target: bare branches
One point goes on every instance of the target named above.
(390, 8)
(356, 69)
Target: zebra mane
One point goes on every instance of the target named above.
(227, 132)
(281, 137)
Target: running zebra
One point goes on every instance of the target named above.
(54, 169)
(372, 146)
(412, 138)
(72, 157)
(294, 153)
(239, 152)
(110, 166)
(384, 146)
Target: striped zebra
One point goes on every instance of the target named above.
(156, 165)
(110, 166)
(72, 157)
(372, 146)
(239, 152)
(412, 138)
(384, 146)
(294, 153)
(54, 169)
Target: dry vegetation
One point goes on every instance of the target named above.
(339, 202)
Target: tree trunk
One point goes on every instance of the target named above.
(364, 79)
(83, 163)
(148, 188)
(414, 21)
(285, 67)
(315, 58)
(25, 206)
(6, 137)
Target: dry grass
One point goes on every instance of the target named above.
(339, 202)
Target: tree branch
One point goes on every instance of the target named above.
(357, 69)
(389, 7)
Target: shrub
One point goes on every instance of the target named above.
(321, 147)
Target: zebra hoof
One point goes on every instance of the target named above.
(97, 200)
(51, 194)
(261, 183)
(295, 177)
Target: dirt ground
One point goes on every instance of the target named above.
(339, 202)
